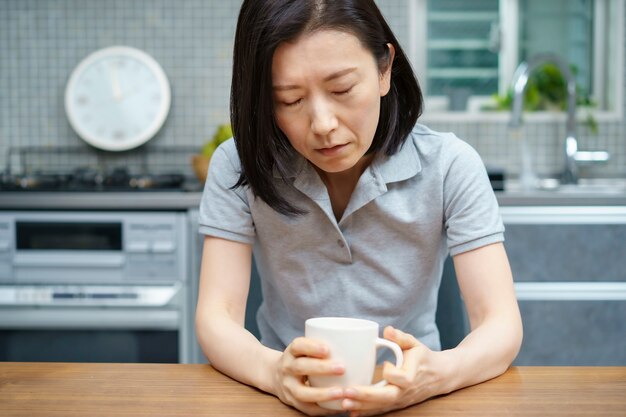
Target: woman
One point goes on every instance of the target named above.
(350, 208)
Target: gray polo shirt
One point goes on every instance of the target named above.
(383, 260)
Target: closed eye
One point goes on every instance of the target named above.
(341, 93)
(293, 103)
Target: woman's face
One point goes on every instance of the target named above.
(327, 89)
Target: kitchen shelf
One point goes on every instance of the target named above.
(456, 73)
(458, 44)
(462, 16)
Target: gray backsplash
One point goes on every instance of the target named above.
(42, 41)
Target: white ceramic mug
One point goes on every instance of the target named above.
(352, 342)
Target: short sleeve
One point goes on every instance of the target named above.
(224, 210)
(472, 215)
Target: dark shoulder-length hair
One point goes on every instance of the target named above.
(264, 24)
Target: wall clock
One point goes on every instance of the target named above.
(117, 98)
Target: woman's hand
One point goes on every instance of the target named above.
(421, 377)
(304, 357)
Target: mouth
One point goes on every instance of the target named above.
(332, 150)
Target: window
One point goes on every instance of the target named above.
(466, 51)
(462, 47)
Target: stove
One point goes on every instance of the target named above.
(104, 275)
(89, 179)
(97, 172)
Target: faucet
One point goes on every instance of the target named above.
(572, 154)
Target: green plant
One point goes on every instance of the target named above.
(222, 133)
(546, 90)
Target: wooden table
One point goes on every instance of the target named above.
(97, 389)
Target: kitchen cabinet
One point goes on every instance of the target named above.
(195, 256)
(569, 266)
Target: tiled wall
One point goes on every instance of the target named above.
(41, 41)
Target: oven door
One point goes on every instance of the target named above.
(71, 334)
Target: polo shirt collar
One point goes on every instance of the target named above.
(402, 165)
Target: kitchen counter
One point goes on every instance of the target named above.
(550, 198)
(139, 200)
(99, 389)
(188, 200)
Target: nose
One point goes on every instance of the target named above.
(323, 118)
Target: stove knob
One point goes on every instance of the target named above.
(138, 247)
(163, 246)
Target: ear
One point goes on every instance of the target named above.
(385, 76)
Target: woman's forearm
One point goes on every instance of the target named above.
(486, 284)
(485, 353)
(220, 314)
(233, 350)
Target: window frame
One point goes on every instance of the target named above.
(607, 14)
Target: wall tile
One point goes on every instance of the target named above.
(42, 41)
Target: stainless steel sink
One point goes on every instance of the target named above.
(585, 186)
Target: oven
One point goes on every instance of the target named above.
(93, 286)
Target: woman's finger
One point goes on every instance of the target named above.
(313, 366)
(305, 398)
(404, 340)
(403, 377)
(313, 409)
(370, 397)
(307, 394)
(303, 346)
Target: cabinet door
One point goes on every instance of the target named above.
(569, 332)
(569, 267)
(196, 242)
(567, 252)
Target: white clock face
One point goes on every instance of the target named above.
(117, 98)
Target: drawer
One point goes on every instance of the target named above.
(573, 332)
(567, 252)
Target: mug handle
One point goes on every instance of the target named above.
(380, 342)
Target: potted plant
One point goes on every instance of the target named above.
(546, 91)
(200, 161)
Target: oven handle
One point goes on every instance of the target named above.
(110, 260)
(81, 318)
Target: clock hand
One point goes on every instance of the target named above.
(115, 82)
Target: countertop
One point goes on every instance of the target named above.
(555, 198)
(140, 200)
(99, 389)
(181, 201)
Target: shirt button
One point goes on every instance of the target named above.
(340, 243)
